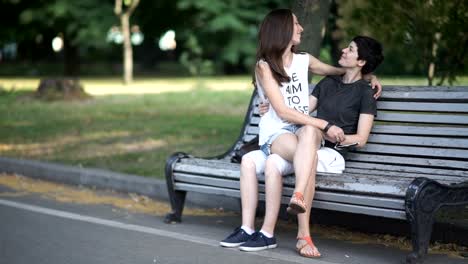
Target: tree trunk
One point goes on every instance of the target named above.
(127, 49)
(127, 45)
(61, 89)
(432, 63)
(430, 73)
(335, 33)
(71, 59)
(313, 16)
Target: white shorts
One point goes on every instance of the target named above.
(329, 161)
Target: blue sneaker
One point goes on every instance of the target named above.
(237, 238)
(259, 242)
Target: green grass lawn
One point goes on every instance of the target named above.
(130, 129)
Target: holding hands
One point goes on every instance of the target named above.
(335, 134)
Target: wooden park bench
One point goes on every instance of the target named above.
(416, 161)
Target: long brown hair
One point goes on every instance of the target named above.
(274, 36)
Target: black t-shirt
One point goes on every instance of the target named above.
(342, 103)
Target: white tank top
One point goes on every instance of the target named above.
(295, 94)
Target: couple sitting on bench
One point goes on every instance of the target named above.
(292, 141)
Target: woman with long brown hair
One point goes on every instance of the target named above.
(287, 132)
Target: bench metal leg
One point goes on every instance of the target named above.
(177, 198)
(423, 198)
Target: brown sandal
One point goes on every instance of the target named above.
(296, 204)
(308, 239)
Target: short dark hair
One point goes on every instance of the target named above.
(369, 50)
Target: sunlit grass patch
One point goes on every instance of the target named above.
(109, 86)
(127, 133)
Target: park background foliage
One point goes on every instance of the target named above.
(421, 37)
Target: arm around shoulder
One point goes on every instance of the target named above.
(320, 68)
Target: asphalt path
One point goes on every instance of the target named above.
(39, 230)
(43, 235)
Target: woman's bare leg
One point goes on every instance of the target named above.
(304, 219)
(309, 139)
(285, 146)
(273, 189)
(249, 192)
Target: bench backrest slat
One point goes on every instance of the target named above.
(410, 161)
(428, 93)
(417, 106)
(392, 175)
(420, 141)
(393, 167)
(414, 151)
(429, 118)
(442, 131)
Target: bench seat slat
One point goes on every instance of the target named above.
(342, 182)
(351, 208)
(223, 169)
(368, 185)
(213, 163)
(392, 187)
(374, 211)
(322, 195)
(445, 178)
(230, 183)
(208, 169)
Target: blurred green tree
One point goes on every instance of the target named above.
(222, 34)
(428, 33)
(81, 24)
